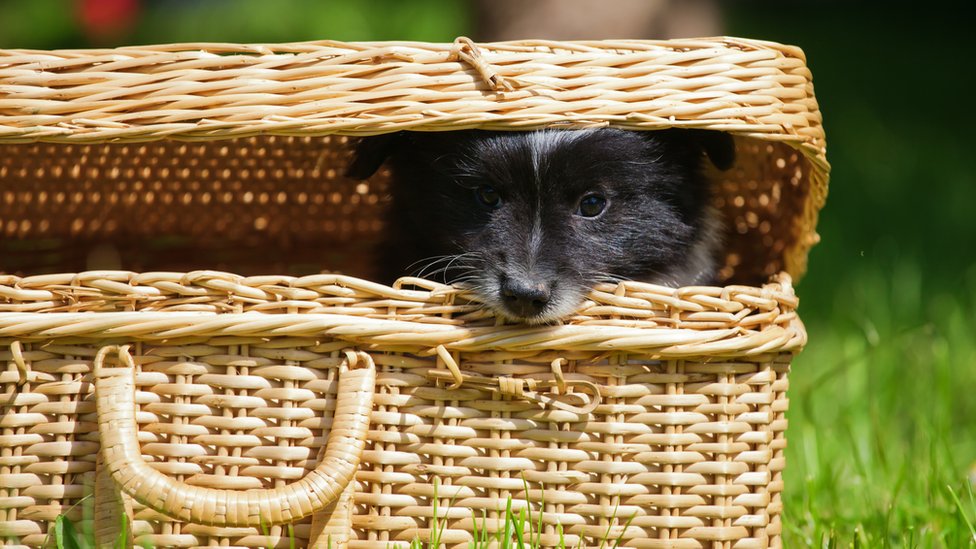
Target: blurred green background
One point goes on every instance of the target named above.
(883, 413)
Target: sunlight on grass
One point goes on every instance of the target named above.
(881, 418)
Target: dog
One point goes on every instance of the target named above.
(530, 221)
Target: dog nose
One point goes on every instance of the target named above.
(524, 298)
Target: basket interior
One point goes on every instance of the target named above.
(273, 204)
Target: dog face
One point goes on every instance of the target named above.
(531, 220)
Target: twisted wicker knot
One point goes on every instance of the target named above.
(578, 402)
(466, 50)
(516, 387)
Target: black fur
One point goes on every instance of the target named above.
(535, 255)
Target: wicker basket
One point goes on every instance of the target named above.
(250, 409)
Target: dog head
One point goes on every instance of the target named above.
(531, 220)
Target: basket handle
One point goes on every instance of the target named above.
(115, 404)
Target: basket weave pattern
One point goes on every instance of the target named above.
(678, 447)
(213, 408)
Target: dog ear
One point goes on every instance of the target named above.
(371, 152)
(718, 146)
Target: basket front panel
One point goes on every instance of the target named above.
(230, 413)
(679, 453)
(48, 439)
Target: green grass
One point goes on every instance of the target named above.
(883, 416)
(66, 535)
(883, 401)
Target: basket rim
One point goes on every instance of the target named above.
(628, 316)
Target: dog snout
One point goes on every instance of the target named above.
(525, 298)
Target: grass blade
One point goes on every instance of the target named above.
(435, 538)
(65, 535)
(613, 518)
(623, 531)
(480, 534)
(519, 527)
(525, 487)
(121, 542)
(59, 531)
(475, 533)
(962, 512)
(507, 536)
(542, 509)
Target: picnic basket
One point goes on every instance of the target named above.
(183, 367)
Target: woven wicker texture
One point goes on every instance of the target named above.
(654, 415)
(322, 487)
(686, 438)
(265, 193)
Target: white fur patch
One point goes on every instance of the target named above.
(543, 143)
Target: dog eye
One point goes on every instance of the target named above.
(488, 196)
(592, 205)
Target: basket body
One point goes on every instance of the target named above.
(684, 448)
(323, 410)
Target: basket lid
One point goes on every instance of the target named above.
(760, 92)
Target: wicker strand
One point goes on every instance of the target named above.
(18, 357)
(452, 367)
(361, 332)
(557, 373)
